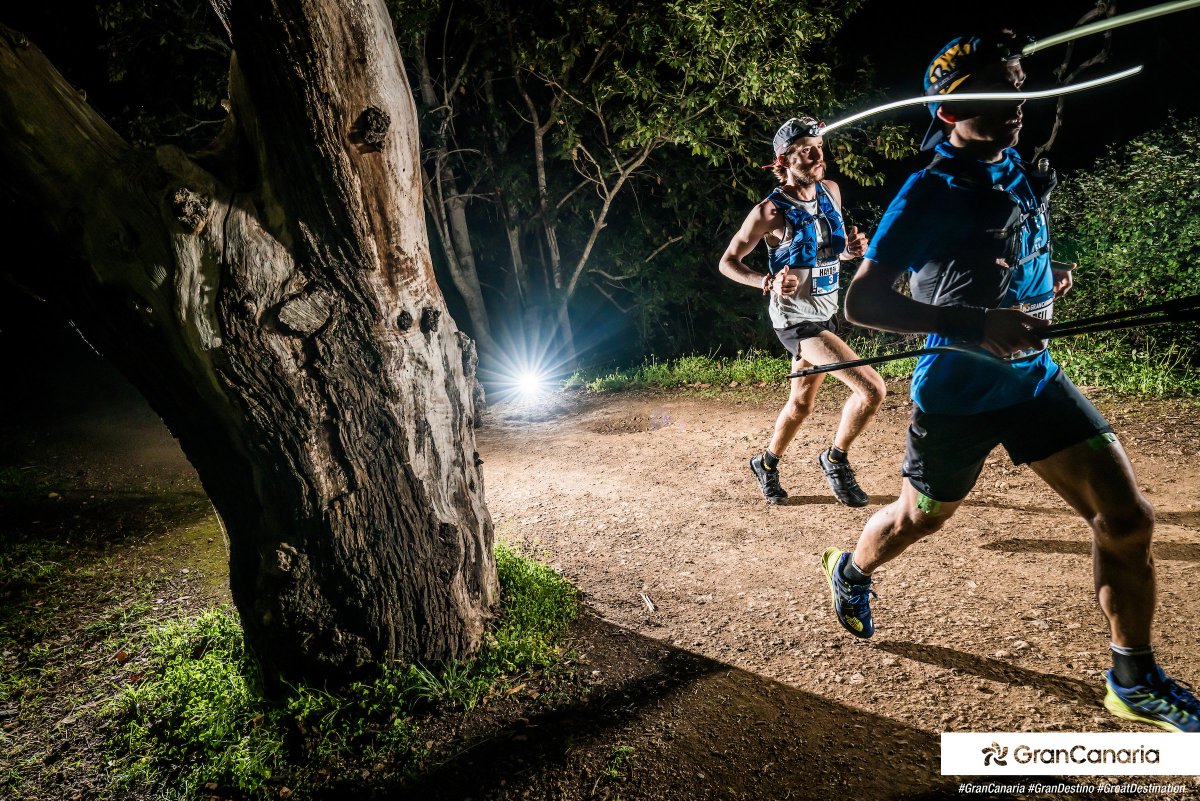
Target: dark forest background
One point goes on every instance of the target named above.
(652, 121)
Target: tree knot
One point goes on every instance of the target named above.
(371, 127)
(286, 558)
(307, 312)
(191, 208)
(429, 319)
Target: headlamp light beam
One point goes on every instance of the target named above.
(1108, 24)
(968, 96)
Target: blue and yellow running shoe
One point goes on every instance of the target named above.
(851, 602)
(1163, 702)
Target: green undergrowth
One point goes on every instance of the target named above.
(751, 367)
(1110, 361)
(747, 368)
(199, 718)
(1107, 361)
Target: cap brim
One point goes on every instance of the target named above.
(935, 135)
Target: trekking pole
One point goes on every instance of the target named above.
(1171, 311)
(1181, 310)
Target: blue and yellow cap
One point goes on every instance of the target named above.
(953, 66)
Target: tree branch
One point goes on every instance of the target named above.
(1101, 9)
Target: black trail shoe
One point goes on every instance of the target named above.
(768, 481)
(840, 476)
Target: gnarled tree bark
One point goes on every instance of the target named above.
(274, 300)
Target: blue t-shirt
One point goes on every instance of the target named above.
(926, 224)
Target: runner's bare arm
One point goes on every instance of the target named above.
(762, 220)
(872, 301)
(758, 223)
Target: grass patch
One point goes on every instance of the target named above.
(199, 716)
(616, 767)
(746, 369)
(751, 367)
(1108, 361)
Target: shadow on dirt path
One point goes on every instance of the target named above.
(699, 729)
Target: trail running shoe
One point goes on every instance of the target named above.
(1164, 702)
(840, 476)
(851, 602)
(768, 481)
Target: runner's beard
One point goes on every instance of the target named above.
(813, 174)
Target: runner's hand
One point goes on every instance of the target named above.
(856, 242)
(786, 284)
(1062, 280)
(1006, 331)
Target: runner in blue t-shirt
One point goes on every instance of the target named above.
(971, 229)
(801, 224)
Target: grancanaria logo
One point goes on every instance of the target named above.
(997, 752)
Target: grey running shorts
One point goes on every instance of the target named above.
(794, 334)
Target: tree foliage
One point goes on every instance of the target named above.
(600, 147)
(167, 62)
(1132, 225)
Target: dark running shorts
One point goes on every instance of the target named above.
(793, 335)
(945, 452)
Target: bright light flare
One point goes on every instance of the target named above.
(531, 384)
(522, 374)
(531, 364)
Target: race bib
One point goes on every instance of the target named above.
(825, 278)
(1041, 309)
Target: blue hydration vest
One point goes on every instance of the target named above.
(801, 253)
(1002, 230)
(973, 233)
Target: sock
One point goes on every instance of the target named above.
(852, 574)
(1132, 666)
(836, 454)
(770, 460)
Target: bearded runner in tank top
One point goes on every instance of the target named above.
(802, 226)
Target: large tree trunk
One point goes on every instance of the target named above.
(275, 301)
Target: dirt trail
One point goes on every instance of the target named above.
(739, 684)
(988, 626)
